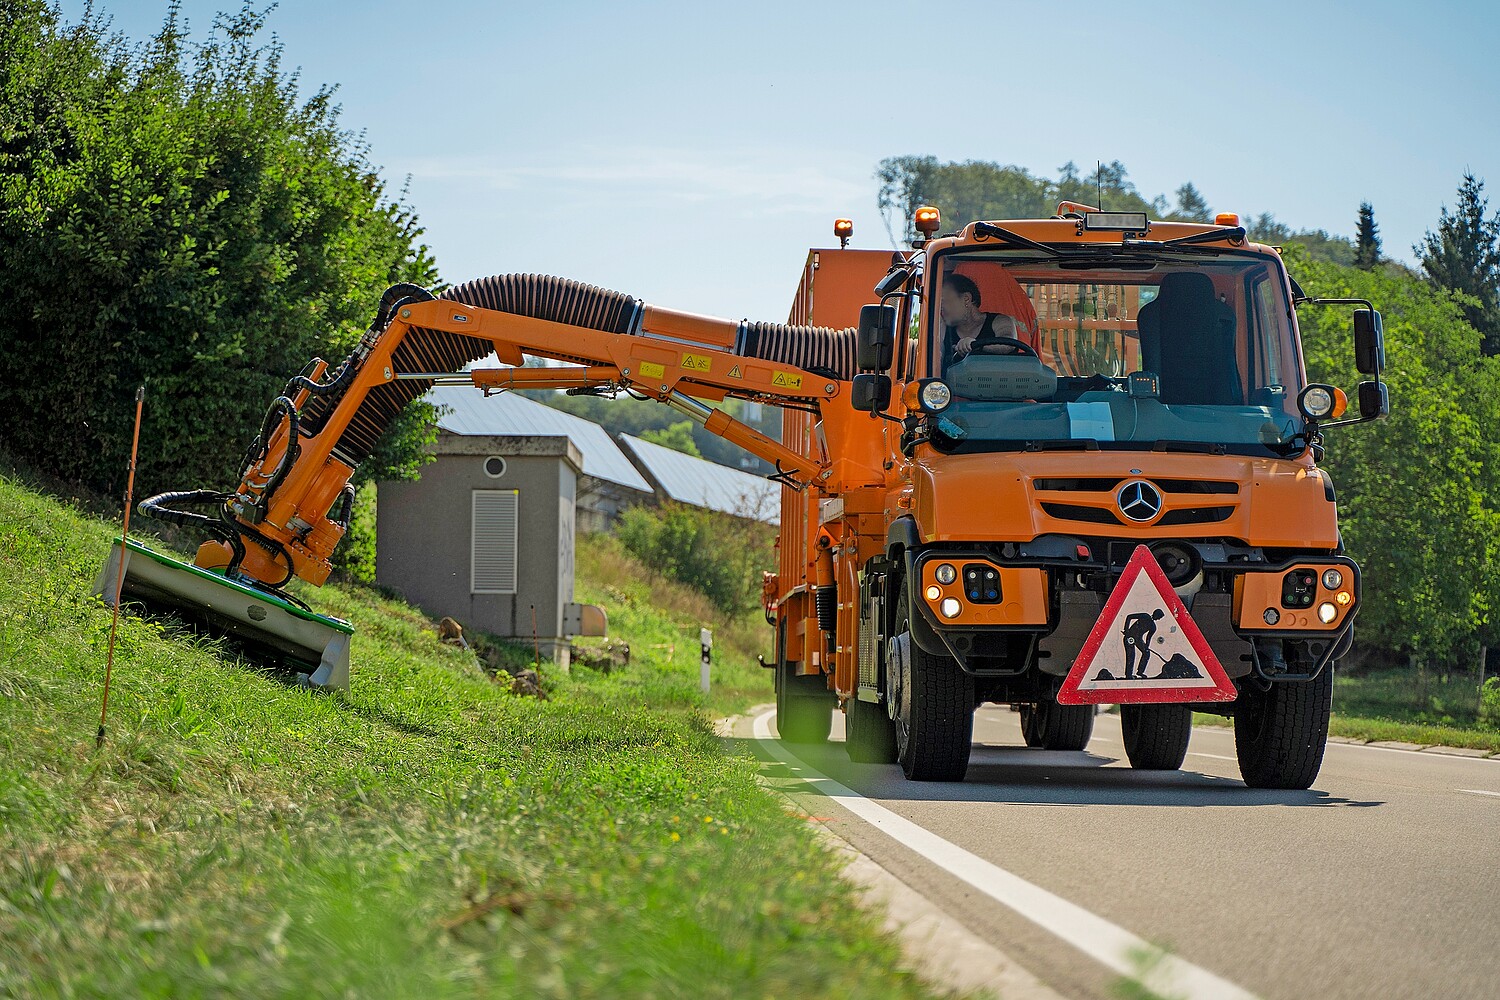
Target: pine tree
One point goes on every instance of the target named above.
(1464, 256)
(1367, 241)
(1191, 206)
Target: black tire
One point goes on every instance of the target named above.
(869, 733)
(934, 704)
(804, 705)
(1156, 736)
(1280, 734)
(1050, 726)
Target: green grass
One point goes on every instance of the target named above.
(428, 835)
(1403, 706)
(662, 619)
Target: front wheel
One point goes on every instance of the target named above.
(1156, 736)
(1280, 734)
(933, 700)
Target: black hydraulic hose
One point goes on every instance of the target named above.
(280, 405)
(167, 507)
(345, 511)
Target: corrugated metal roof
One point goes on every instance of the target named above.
(706, 484)
(507, 414)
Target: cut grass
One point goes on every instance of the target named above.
(428, 835)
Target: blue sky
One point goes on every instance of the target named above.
(691, 153)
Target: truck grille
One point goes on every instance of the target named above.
(1091, 500)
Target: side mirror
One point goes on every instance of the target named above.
(1369, 344)
(1374, 398)
(893, 280)
(871, 393)
(876, 339)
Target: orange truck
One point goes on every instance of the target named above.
(1050, 464)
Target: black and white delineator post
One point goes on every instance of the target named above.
(706, 640)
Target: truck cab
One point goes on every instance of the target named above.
(1063, 402)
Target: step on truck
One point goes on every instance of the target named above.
(1050, 463)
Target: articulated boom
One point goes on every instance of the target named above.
(292, 505)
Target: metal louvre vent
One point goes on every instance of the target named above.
(493, 541)
(869, 663)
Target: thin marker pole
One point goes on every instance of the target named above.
(114, 623)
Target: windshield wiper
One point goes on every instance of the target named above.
(1063, 444)
(1015, 239)
(1235, 235)
(1201, 447)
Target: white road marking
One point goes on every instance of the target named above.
(1409, 753)
(1479, 791)
(1215, 756)
(1107, 943)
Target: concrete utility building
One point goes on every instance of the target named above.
(486, 534)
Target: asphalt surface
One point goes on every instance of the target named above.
(1383, 880)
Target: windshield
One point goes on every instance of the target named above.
(1133, 351)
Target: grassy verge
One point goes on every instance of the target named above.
(1399, 706)
(428, 835)
(662, 619)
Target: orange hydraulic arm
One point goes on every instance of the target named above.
(292, 505)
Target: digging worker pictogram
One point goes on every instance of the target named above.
(1139, 630)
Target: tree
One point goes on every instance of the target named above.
(1191, 206)
(177, 215)
(1463, 256)
(678, 437)
(1419, 492)
(979, 189)
(1366, 239)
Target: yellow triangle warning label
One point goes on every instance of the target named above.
(735, 372)
(1145, 647)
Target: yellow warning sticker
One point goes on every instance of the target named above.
(787, 379)
(697, 362)
(735, 372)
(650, 370)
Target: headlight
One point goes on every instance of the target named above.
(945, 573)
(934, 592)
(1327, 613)
(950, 608)
(1316, 401)
(1322, 402)
(1332, 578)
(936, 396)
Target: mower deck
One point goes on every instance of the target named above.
(258, 619)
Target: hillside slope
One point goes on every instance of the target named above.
(428, 835)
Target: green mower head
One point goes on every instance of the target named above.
(313, 646)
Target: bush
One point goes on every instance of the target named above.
(175, 215)
(1489, 702)
(721, 555)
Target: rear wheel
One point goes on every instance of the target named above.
(869, 733)
(1156, 736)
(934, 703)
(1050, 726)
(1279, 735)
(804, 705)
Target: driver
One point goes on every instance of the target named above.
(968, 329)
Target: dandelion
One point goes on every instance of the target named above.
(676, 836)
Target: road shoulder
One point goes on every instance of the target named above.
(938, 948)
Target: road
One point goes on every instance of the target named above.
(1380, 881)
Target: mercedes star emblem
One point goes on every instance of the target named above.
(1139, 500)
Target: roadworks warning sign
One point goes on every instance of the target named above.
(1145, 648)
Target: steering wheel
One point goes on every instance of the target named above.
(1022, 348)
